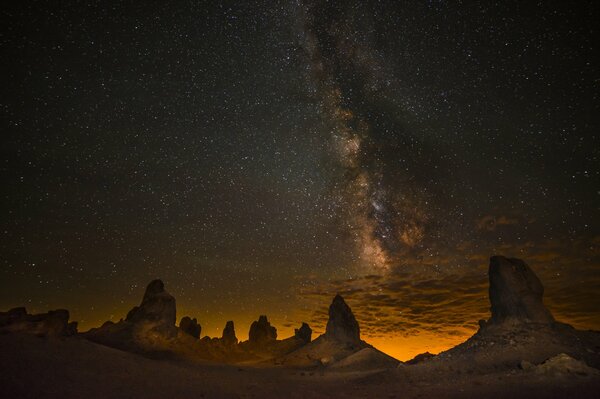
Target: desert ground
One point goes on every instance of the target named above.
(34, 367)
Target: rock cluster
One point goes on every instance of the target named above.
(515, 293)
(190, 326)
(304, 333)
(53, 323)
(342, 325)
(262, 332)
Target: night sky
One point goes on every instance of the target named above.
(261, 156)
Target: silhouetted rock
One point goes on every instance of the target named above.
(341, 340)
(304, 333)
(190, 326)
(262, 332)
(12, 316)
(108, 323)
(342, 326)
(420, 358)
(515, 293)
(155, 287)
(521, 331)
(157, 306)
(206, 340)
(17, 313)
(53, 323)
(147, 328)
(228, 336)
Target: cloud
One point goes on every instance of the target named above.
(447, 305)
(491, 223)
(397, 304)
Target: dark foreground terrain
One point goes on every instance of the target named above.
(34, 367)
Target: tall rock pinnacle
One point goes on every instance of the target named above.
(515, 293)
(228, 336)
(342, 325)
(157, 306)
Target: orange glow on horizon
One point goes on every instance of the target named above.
(402, 346)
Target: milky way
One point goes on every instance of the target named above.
(386, 211)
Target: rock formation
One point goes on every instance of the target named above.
(150, 329)
(157, 306)
(520, 328)
(190, 326)
(261, 332)
(341, 339)
(53, 323)
(228, 336)
(515, 293)
(421, 357)
(561, 365)
(146, 328)
(342, 326)
(304, 333)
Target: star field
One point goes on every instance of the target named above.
(259, 156)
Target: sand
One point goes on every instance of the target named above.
(33, 367)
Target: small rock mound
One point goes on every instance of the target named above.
(421, 357)
(53, 323)
(304, 333)
(365, 359)
(342, 325)
(228, 336)
(261, 332)
(190, 326)
(561, 365)
(515, 293)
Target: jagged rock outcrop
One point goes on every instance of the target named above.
(520, 329)
(515, 293)
(304, 333)
(262, 332)
(157, 306)
(342, 325)
(190, 326)
(148, 327)
(53, 323)
(228, 337)
(341, 340)
(263, 342)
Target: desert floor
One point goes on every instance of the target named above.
(33, 367)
